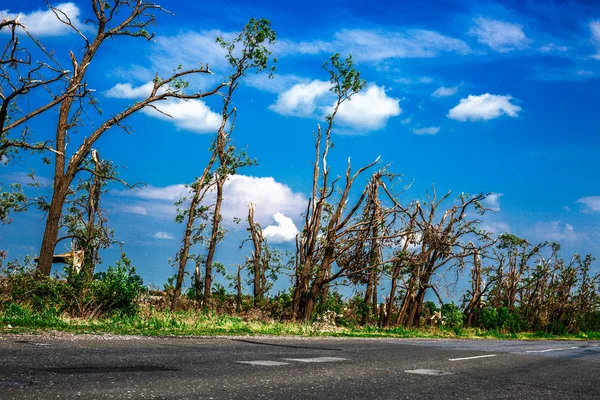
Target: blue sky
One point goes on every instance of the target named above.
(489, 97)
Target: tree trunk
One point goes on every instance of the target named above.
(185, 251)
(44, 266)
(197, 281)
(214, 238)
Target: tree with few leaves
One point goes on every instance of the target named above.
(112, 19)
(326, 220)
(247, 52)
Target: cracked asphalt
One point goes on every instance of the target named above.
(125, 367)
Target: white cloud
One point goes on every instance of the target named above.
(372, 45)
(270, 197)
(170, 193)
(191, 115)
(284, 229)
(595, 29)
(163, 236)
(433, 130)
(127, 91)
(190, 49)
(445, 91)
(414, 81)
(3, 160)
(494, 227)
(553, 48)
(276, 84)
(24, 178)
(377, 45)
(406, 121)
(285, 47)
(138, 210)
(300, 100)
(45, 23)
(492, 201)
(368, 110)
(499, 35)
(555, 231)
(590, 203)
(484, 107)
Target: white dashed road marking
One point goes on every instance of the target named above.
(433, 372)
(316, 359)
(265, 363)
(547, 350)
(471, 358)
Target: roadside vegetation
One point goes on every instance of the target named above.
(391, 256)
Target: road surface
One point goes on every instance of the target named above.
(120, 367)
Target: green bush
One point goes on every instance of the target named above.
(453, 317)
(118, 289)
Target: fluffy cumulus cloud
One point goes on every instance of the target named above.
(499, 35)
(484, 107)
(46, 23)
(128, 91)
(377, 45)
(590, 203)
(445, 91)
(595, 29)
(271, 197)
(301, 99)
(163, 236)
(368, 110)
(284, 229)
(189, 115)
(492, 201)
(432, 130)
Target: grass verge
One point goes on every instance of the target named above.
(151, 322)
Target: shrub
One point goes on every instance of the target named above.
(118, 289)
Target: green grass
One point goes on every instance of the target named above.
(17, 319)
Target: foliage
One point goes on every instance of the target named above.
(115, 291)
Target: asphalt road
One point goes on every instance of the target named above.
(101, 367)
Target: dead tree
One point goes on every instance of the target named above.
(326, 222)
(258, 260)
(441, 244)
(21, 76)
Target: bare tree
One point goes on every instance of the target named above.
(20, 76)
(441, 244)
(325, 221)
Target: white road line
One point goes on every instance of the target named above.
(432, 372)
(547, 350)
(316, 359)
(265, 363)
(471, 358)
